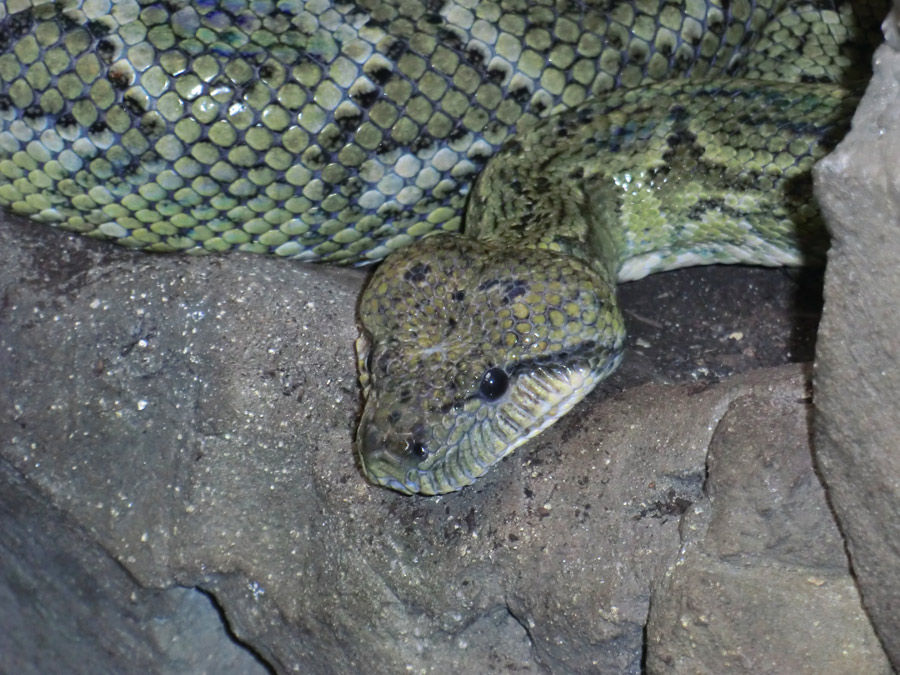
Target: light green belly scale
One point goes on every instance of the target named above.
(345, 131)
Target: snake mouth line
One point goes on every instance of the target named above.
(540, 397)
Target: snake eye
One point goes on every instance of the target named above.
(494, 384)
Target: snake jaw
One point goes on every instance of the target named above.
(536, 400)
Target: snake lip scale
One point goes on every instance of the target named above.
(580, 144)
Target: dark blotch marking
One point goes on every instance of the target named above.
(475, 57)
(106, 49)
(366, 98)
(119, 78)
(496, 75)
(315, 156)
(97, 28)
(514, 289)
(133, 105)
(152, 127)
(449, 39)
(67, 120)
(520, 95)
(680, 138)
(266, 71)
(678, 113)
(418, 273)
(513, 145)
(392, 211)
(705, 205)
(383, 361)
(480, 156)
(458, 133)
(416, 444)
(397, 49)
(734, 68)
(381, 75)
(15, 26)
(683, 61)
(349, 123)
(416, 448)
(575, 351)
(67, 23)
(585, 115)
(637, 53)
(423, 142)
(487, 285)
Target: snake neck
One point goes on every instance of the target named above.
(550, 211)
(669, 176)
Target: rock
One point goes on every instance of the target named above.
(67, 606)
(191, 420)
(761, 584)
(857, 419)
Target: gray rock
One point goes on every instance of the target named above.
(857, 418)
(193, 418)
(68, 607)
(761, 585)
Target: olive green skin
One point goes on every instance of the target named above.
(344, 132)
(322, 131)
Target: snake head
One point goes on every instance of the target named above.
(468, 350)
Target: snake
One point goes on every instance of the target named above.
(555, 148)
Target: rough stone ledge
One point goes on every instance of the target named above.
(193, 419)
(857, 423)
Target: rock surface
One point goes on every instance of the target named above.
(761, 585)
(67, 606)
(191, 420)
(857, 381)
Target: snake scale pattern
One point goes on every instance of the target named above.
(578, 143)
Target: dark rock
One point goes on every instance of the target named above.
(761, 584)
(857, 418)
(67, 606)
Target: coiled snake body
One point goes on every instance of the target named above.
(625, 137)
